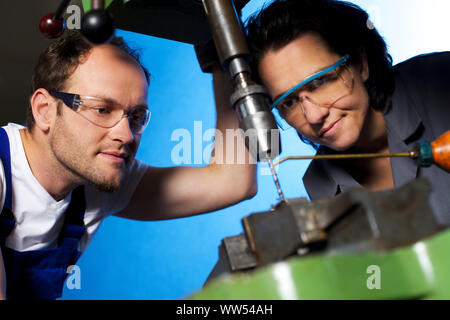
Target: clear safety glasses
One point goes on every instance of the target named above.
(104, 113)
(323, 88)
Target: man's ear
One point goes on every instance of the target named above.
(43, 106)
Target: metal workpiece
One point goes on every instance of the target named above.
(226, 30)
(275, 235)
(356, 221)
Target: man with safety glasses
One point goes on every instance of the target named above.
(74, 164)
(331, 79)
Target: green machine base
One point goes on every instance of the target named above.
(419, 271)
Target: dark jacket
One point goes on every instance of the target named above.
(420, 110)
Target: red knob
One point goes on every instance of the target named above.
(51, 27)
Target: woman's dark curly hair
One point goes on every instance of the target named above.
(344, 27)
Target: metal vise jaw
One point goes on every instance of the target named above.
(355, 221)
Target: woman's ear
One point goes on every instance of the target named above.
(41, 105)
(363, 65)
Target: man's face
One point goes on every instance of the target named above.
(337, 125)
(91, 153)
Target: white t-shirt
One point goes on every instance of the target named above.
(39, 217)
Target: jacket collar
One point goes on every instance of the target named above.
(403, 119)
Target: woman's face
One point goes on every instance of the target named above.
(337, 120)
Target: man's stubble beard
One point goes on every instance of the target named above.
(67, 151)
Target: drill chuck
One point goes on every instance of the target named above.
(261, 135)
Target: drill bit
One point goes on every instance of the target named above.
(411, 154)
(275, 179)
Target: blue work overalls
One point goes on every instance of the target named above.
(39, 274)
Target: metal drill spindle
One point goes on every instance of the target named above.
(61, 9)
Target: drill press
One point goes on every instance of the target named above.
(249, 100)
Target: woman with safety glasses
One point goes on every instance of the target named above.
(331, 79)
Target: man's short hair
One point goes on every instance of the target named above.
(59, 60)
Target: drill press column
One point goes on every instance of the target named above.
(250, 100)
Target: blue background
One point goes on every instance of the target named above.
(171, 259)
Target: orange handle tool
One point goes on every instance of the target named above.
(437, 152)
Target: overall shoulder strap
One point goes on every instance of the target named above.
(74, 227)
(5, 157)
(6, 216)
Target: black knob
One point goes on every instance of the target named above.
(97, 26)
